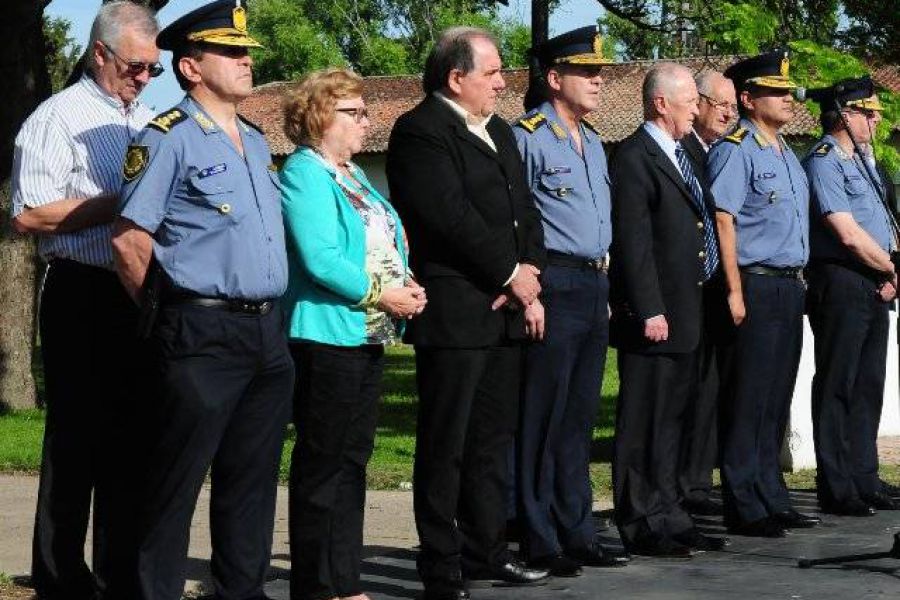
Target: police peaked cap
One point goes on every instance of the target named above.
(770, 70)
(858, 93)
(223, 23)
(582, 46)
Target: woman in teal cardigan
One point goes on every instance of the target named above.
(350, 290)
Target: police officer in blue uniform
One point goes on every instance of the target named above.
(851, 284)
(566, 170)
(762, 201)
(201, 213)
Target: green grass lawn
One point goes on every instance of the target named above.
(391, 465)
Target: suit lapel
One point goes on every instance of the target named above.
(665, 165)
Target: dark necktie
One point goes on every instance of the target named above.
(711, 250)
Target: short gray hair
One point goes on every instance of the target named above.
(706, 80)
(453, 50)
(112, 18)
(660, 81)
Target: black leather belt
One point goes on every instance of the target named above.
(577, 262)
(253, 307)
(786, 272)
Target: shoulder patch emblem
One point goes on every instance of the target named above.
(737, 136)
(823, 150)
(166, 121)
(590, 126)
(532, 123)
(136, 160)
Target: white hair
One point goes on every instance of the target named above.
(661, 80)
(113, 18)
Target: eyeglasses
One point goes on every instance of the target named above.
(723, 105)
(358, 114)
(133, 68)
(866, 113)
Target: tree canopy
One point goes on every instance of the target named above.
(374, 37)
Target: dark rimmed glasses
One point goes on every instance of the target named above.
(722, 105)
(133, 68)
(358, 114)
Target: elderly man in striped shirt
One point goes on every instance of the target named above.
(66, 176)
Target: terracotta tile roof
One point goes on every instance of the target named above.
(389, 97)
(887, 77)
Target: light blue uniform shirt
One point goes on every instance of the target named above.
(839, 184)
(767, 192)
(571, 191)
(215, 215)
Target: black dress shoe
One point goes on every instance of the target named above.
(598, 556)
(765, 527)
(444, 593)
(511, 573)
(558, 565)
(881, 501)
(704, 507)
(660, 547)
(696, 540)
(791, 519)
(848, 508)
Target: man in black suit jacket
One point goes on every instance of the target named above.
(664, 250)
(477, 247)
(717, 109)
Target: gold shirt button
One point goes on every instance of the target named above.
(225, 209)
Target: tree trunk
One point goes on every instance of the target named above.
(23, 70)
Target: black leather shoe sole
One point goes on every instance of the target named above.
(791, 519)
(558, 565)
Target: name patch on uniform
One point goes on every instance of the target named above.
(136, 160)
(213, 170)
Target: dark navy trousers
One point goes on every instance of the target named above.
(562, 380)
(766, 357)
(850, 325)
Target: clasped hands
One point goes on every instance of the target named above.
(522, 290)
(403, 302)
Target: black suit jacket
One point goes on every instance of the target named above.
(469, 218)
(656, 266)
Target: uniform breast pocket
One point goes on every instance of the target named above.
(765, 191)
(557, 181)
(215, 196)
(856, 186)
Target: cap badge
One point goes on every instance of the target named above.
(785, 66)
(239, 18)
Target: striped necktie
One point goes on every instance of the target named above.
(711, 249)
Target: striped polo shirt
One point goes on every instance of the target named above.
(73, 146)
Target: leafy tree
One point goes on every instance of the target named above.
(61, 50)
(874, 28)
(374, 37)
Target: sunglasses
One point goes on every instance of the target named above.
(133, 68)
(358, 114)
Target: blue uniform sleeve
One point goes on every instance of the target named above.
(145, 195)
(826, 180)
(310, 212)
(728, 177)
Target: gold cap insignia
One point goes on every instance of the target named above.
(598, 45)
(785, 66)
(239, 18)
(135, 161)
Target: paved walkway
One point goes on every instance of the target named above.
(749, 569)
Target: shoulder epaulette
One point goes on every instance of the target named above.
(251, 124)
(823, 149)
(737, 136)
(533, 122)
(590, 126)
(167, 120)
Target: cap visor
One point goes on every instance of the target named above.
(775, 82)
(584, 59)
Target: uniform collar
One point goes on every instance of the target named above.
(196, 112)
(838, 149)
(760, 139)
(93, 88)
(558, 127)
